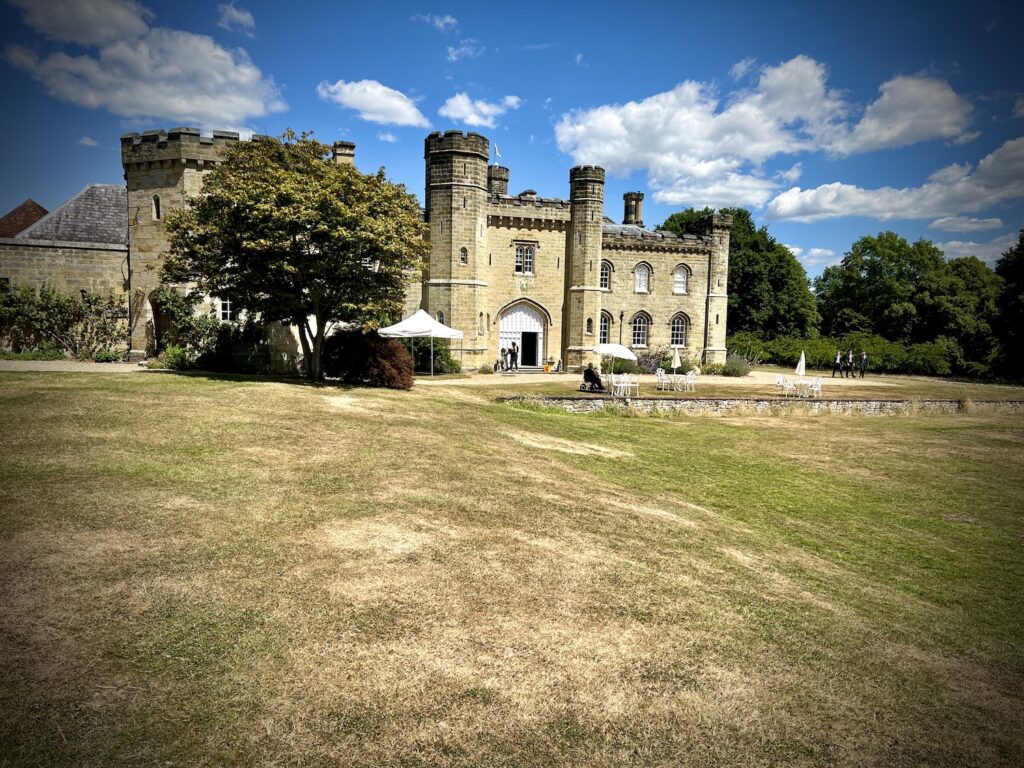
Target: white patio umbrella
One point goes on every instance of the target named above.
(676, 362)
(801, 367)
(615, 350)
(421, 325)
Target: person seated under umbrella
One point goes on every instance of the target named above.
(591, 380)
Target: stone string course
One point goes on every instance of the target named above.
(716, 405)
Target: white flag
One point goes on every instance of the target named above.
(497, 154)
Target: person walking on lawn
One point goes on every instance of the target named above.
(838, 364)
(863, 363)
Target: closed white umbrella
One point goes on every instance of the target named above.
(676, 362)
(801, 367)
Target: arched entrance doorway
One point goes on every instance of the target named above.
(161, 324)
(523, 325)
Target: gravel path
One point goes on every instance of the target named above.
(69, 366)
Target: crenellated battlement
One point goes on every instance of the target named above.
(457, 141)
(593, 173)
(177, 144)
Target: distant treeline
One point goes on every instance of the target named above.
(903, 303)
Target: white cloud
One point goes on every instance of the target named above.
(387, 136)
(693, 141)
(478, 113)
(578, 58)
(820, 257)
(989, 252)
(791, 175)
(375, 102)
(442, 23)
(236, 19)
(86, 22)
(910, 109)
(1018, 107)
(166, 73)
(949, 191)
(965, 224)
(87, 141)
(740, 69)
(466, 49)
(796, 250)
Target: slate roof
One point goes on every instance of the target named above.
(632, 230)
(25, 215)
(97, 214)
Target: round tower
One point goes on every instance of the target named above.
(583, 257)
(497, 180)
(456, 210)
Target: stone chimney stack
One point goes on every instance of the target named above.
(634, 209)
(344, 153)
(497, 179)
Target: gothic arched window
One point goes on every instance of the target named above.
(463, 256)
(606, 328)
(681, 279)
(680, 326)
(606, 275)
(156, 208)
(641, 329)
(642, 275)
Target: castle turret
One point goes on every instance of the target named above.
(456, 210)
(718, 289)
(582, 308)
(634, 212)
(161, 170)
(497, 180)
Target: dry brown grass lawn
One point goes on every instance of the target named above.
(203, 571)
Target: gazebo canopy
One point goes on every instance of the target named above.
(420, 324)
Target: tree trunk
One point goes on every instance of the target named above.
(307, 352)
(318, 348)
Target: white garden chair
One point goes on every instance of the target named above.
(665, 382)
(786, 386)
(814, 388)
(690, 382)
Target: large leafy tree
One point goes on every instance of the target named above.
(283, 233)
(959, 301)
(1011, 310)
(769, 292)
(875, 287)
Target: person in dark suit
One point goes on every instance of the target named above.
(514, 357)
(591, 380)
(837, 365)
(863, 363)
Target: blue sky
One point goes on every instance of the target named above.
(828, 121)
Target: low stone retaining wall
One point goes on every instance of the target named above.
(719, 405)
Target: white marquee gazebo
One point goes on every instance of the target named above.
(421, 325)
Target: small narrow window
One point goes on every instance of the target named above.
(463, 256)
(463, 202)
(156, 208)
(606, 327)
(465, 172)
(716, 319)
(488, 259)
(481, 327)
(590, 325)
(227, 314)
(440, 317)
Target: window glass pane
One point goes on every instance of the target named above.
(679, 331)
(640, 331)
(679, 285)
(606, 275)
(605, 328)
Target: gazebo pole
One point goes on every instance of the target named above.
(431, 354)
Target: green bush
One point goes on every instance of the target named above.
(236, 348)
(736, 365)
(176, 358)
(108, 356)
(197, 333)
(80, 325)
(443, 360)
(365, 359)
(617, 365)
(34, 354)
(485, 368)
(713, 369)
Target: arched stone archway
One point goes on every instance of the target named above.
(525, 326)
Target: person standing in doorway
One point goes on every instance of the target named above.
(863, 363)
(504, 359)
(838, 364)
(514, 355)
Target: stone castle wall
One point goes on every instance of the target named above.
(68, 267)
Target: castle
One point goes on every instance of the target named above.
(555, 276)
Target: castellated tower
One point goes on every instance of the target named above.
(456, 210)
(583, 261)
(161, 169)
(718, 294)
